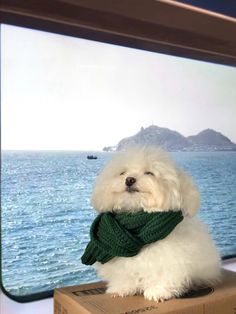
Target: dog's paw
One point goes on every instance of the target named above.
(158, 294)
(120, 291)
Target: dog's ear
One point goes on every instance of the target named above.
(190, 197)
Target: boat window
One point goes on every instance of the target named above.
(67, 104)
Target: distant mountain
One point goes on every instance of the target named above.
(156, 136)
(211, 140)
(207, 140)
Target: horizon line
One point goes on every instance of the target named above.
(49, 150)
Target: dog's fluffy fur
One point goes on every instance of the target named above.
(165, 269)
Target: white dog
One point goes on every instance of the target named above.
(146, 178)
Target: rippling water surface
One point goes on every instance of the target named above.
(46, 212)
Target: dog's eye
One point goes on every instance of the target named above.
(149, 173)
(122, 173)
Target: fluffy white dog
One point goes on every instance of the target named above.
(147, 178)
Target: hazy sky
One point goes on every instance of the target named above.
(60, 92)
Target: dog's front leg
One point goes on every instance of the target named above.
(161, 292)
(121, 289)
(158, 293)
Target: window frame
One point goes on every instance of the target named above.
(163, 26)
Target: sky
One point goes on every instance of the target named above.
(65, 93)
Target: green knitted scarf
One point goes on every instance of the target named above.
(124, 234)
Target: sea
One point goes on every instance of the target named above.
(46, 212)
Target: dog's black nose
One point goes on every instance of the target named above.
(129, 181)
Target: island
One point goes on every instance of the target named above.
(170, 140)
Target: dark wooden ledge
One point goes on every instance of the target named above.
(161, 26)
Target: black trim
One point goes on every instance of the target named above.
(226, 257)
(28, 297)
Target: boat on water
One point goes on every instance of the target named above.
(92, 157)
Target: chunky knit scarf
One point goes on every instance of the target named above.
(124, 234)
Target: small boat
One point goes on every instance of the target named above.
(92, 157)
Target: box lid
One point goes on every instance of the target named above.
(91, 298)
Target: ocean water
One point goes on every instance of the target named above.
(46, 212)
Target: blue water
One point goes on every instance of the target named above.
(46, 212)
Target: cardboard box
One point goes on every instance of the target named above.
(91, 298)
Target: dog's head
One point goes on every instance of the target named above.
(144, 178)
